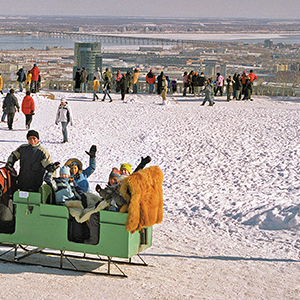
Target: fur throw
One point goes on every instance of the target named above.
(143, 194)
(82, 214)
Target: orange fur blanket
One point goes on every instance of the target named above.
(144, 196)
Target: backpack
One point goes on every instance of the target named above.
(8, 185)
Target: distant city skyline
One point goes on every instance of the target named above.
(275, 9)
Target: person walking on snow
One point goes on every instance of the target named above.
(220, 83)
(1, 84)
(164, 86)
(96, 85)
(64, 115)
(150, 79)
(10, 106)
(208, 91)
(106, 88)
(34, 79)
(252, 77)
(84, 78)
(28, 108)
(98, 76)
(21, 78)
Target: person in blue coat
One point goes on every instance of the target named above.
(79, 175)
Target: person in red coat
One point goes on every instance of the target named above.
(34, 79)
(28, 109)
(150, 79)
(252, 78)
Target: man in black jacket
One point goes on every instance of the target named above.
(34, 161)
(21, 78)
(10, 105)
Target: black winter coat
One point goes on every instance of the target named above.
(33, 161)
(238, 84)
(10, 104)
(21, 75)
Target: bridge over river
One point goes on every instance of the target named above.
(124, 39)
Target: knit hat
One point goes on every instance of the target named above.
(74, 163)
(64, 170)
(32, 133)
(127, 167)
(115, 173)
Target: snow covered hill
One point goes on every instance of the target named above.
(231, 194)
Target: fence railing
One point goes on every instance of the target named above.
(142, 87)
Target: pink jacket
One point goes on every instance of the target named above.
(220, 80)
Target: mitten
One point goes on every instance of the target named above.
(98, 188)
(146, 160)
(32, 112)
(52, 167)
(92, 152)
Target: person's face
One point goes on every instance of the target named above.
(112, 181)
(64, 176)
(74, 169)
(124, 172)
(33, 140)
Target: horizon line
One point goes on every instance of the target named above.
(25, 16)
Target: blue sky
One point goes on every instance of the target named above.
(275, 9)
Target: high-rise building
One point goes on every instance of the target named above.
(268, 43)
(223, 69)
(210, 68)
(87, 55)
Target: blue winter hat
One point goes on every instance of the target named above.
(74, 163)
(65, 170)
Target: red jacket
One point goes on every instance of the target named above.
(244, 77)
(252, 77)
(35, 73)
(27, 105)
(150, 78)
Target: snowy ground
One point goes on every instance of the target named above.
(231, 195)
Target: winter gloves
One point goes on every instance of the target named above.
(52, 167)
(143, 163)
(92, 152)
(146, 160)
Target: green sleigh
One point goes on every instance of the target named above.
(43, 226)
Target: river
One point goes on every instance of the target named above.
(15, 42)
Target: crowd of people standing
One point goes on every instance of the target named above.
(193, 83)
(235, 86)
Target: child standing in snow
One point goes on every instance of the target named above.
(64, 115)
(106, 88)
(208, 91)
(164, 85)
(95, 88)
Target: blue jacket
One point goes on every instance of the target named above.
(63, 188)
(81, 178)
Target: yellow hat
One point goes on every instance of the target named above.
(127, 167)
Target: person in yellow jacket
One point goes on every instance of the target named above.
(1, 84)
(95, 88)
(28, 81)
(135, 79)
